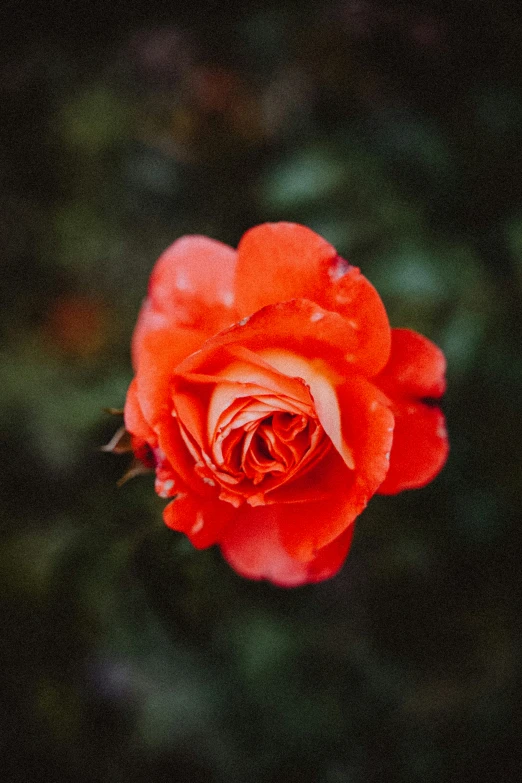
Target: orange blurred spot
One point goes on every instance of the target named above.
(214, 89)
(77, 325)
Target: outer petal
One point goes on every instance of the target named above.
(175, 450)
(135, 422)
(354, 297)
(415, 368)
(367, 425)
(420, 447)
(420, 444)
(160, 351)
(252, 546)
(191, 286)
(281, 261)
(203, 521)
(304, 328)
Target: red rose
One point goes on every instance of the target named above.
(273, 399)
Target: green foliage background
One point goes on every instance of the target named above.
(395, 130)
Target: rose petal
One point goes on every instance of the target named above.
(301, 327)
(135, 422)
(186, 466)
(305, 528)
(322, 476)
(330, 558)
(195, 265)
(323, 393)
(354, 297)
(211, 381)
(281, 261)
(160, 351)
(203, 521)
(191, 286)
(368, 427)
(252, 546)
(420, 447)
(234, 362)
(415, 368)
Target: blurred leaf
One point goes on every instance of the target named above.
(411, 139)
(263, 645)
(84, 238)
(29, 558)
(498, 109)
(94, 119)
(514, 242)
(60, 708)
(412, 273)
(310, 175)
(63, 406)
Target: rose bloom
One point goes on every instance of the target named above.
(272, 399)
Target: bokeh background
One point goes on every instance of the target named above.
(395, 130)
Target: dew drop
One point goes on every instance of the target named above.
(182, 281)
(338, 269)
(228, 298)
(164, 487)
(198, 524)
(442, 432)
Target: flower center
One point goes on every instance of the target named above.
(275, 445)
(258, 447)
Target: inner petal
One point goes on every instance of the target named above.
(261, 448)
(266, 454)
(288, 426)
(245, 413)
(240, 377)
(323, 393)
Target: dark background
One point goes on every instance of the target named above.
(395, 130)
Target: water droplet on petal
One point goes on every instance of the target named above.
(182, 281)
(228, 298)
(198, 524)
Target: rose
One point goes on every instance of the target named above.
(273, 400)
